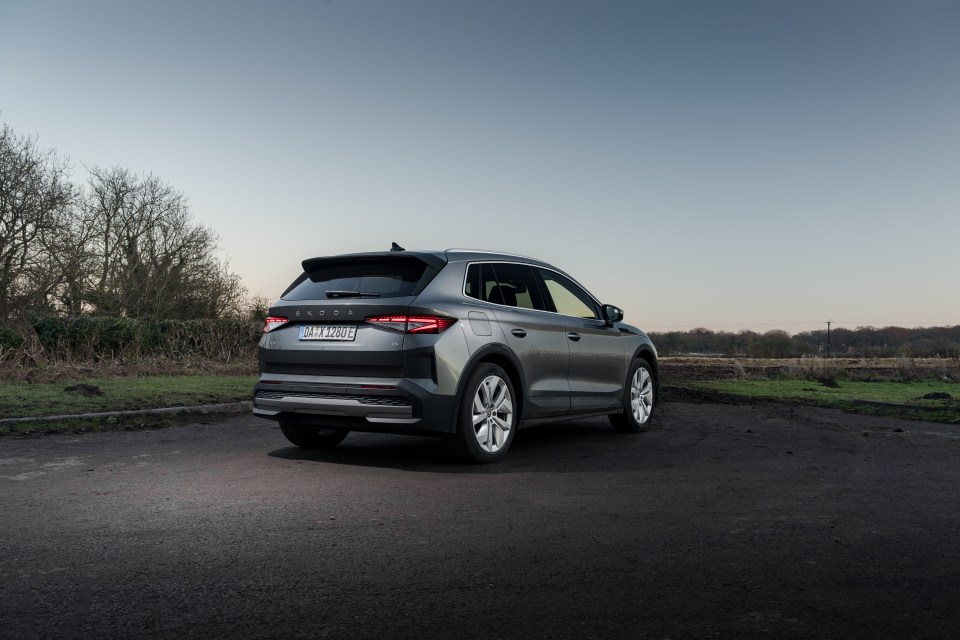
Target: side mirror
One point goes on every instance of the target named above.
(612, 314)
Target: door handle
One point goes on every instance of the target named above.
(520, 333)
(575, 337)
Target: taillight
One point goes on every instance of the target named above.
(273, 322)
(428, 324)
(413, 324)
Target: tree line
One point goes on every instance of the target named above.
(119, 245)
(862, 342)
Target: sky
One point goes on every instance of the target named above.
(732, 165)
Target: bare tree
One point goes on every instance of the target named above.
(150, 258)
(125, 245)
(34, 195)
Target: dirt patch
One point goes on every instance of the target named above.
(87, 390)
(702, 396)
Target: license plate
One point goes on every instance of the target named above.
(342, 332)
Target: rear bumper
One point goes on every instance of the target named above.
(390, 405)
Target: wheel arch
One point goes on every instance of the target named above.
(646, 353)
(503, 358)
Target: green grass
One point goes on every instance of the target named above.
(111, 423)
(898, 399)
(22, 399)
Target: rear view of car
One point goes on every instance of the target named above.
(346, 349)
(465, 345)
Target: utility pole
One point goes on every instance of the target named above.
(828, 337)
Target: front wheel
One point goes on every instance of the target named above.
(486, 417)
(312, 437)
(640, 399)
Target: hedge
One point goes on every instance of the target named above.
(87, 338)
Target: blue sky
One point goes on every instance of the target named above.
(732, 165)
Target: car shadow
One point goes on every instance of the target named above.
(535, 449)
(408, 453)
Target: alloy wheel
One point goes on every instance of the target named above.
(641, 395)
(492, 413)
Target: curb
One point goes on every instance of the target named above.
(228, 407)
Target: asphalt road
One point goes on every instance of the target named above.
(721, 522)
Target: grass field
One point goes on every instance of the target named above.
(884, 386)
(22, 399)
(893, 387)
(932, 400)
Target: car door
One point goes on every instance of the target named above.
(536, 337)
(598, 362)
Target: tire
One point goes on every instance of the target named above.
(312, 437)
(487, 416)
(640, 399)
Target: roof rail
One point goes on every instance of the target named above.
(499, 253)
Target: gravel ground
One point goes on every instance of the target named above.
(722, 521)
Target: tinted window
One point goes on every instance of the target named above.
(386, 279)
(568, 298)
(480, 281)
(512, 285)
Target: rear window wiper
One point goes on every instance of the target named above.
(352, 294)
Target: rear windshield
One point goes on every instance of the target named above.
(374, 278)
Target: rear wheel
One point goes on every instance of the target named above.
(312, 437)
(640, 399)
(486, 417)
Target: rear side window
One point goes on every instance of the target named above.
(370, 278)
(512, 285)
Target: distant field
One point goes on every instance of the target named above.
(677, 369)
(927, 389)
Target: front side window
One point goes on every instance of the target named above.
(568, 298)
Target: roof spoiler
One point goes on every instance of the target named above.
(432, 260)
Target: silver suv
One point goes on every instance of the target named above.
(469, 345)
